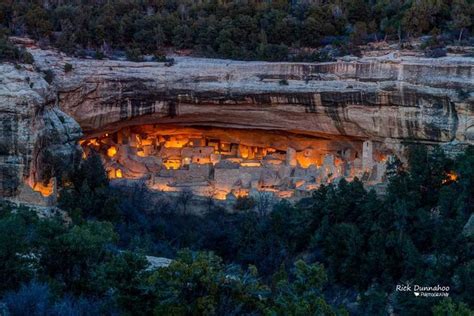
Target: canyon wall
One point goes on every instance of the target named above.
(384, 99)
(37, 141)
(389, 99)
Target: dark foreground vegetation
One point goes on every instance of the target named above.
(341, 251)
(266, 30)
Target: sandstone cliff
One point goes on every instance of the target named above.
(37, 141)
(385, 98)
(388, 99)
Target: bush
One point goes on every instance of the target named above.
(99, 55)
(48, 76)
(30, 299)
(283, 82)
(244, 203)
(9, 52)
(435, 53)
(68, 67)
(70, 306)
(160, 58)
(134, 54)
(170, 62)
(163, 59)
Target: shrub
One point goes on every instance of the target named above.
(134, 54)
(435, 53)
(163, 59)
(70, 305)
(244, 203)
(160, 58)
(30, 299)
(68, 67)
(170, 62)
(9, 52)
(283, 82)
(26, 57)
(99, 55)
(48, 76)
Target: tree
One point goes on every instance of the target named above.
(343, 247)
(448, 307)
(264, 202)
(31, 299)
(184, 197)
(200, 283)
(461, 19)
(303, 296)
(89, 193)
(17, 262)
(72, 256)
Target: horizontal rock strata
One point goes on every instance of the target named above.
(389, 100)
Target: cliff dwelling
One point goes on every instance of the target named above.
(230, 163)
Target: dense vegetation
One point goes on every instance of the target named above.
(267, 30)
(342, 246)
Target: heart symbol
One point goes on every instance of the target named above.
(416, 293)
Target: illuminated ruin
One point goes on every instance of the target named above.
(231, 163)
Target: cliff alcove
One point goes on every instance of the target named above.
(227, 163)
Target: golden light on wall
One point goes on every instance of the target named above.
(175, 142)
(251, 164)
(45, 190)
(220, 195)
(451, 176)
(240, 193)
(115, 173)
(111, 151)
(172, 164)
(94, 142)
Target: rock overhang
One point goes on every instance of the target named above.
(383, 99)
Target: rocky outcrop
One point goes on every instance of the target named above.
(380, 98)
(37, 141)
(389, 99)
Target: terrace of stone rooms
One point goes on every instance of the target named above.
(229, 163)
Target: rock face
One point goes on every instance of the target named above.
(390, 100)
(37, 141)
(385, 98)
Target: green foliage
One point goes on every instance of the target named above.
(17, 262)
(9, 52)
(199, 283)
(229, 29)
(89, 194)
(303, 296)
(134, 54)
(244, 203)
(71, 256)
(48, 75)
(67, 67)
(448, 307)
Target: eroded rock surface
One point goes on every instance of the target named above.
(382, 98)
(387, 100)
(37, 141)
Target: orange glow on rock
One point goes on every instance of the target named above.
(450, 177)
(220, 195)
(251, 164)
(172, 164)
(45, 190)
(112, 151)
